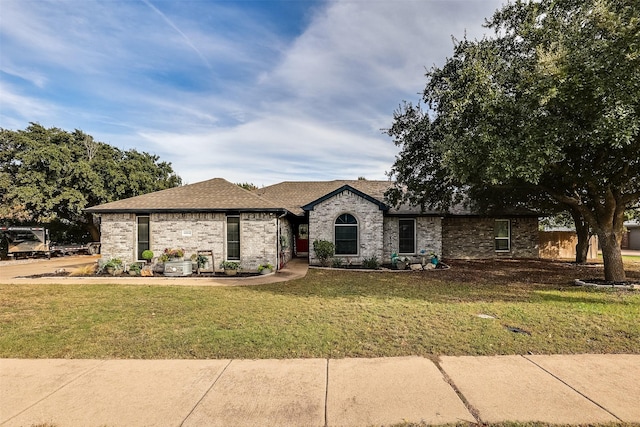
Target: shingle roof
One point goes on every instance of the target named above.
(220, 195)
(213, 195)
(292, 195)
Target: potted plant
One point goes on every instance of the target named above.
(147, 255)
(230, 267)
(172, 255)
(202, 261)
(135, 269)
(113, 266)
(399, 262)
(265, 268)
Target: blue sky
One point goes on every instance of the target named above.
(258, 91)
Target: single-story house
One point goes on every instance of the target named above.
(281, 221)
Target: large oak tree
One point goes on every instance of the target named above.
(549, 104)
(50, 175)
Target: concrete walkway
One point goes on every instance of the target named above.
(571, 389)
(14, 272)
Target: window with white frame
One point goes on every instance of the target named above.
(502, 234)
(142, 235)
(233, 238)
(407, 236)
(346, 235)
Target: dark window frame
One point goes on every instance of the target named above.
(403, 239)
(233, 242)
(346, 235)
(142, 245)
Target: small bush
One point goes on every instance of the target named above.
(324, 251)
(371, 263)
(87, 270)
(147, 255)
(336, 262)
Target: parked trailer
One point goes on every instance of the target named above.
(28, 242)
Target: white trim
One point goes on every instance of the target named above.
(508, 238)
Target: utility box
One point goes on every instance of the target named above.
(177, 268)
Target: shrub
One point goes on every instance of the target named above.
(324, 251)
(267, 266)
(371, 263)
(230, 265)
(147, 255)
(135, 267)
(336, 262)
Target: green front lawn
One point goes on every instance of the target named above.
(330, 313)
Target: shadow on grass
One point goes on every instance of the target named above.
(466, 282)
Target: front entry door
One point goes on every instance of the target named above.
(302, 239)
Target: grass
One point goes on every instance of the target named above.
(329, 313)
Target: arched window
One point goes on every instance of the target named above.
(346, 232)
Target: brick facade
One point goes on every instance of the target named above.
(370, 225)
(193, 232)
(428, 237)
(472, 237)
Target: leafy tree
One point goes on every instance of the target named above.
(51, 176)
(549, 104)
(247, 186)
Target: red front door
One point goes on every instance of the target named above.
(302, 239)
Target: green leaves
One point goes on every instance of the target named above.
(550, 103)
(49, 174)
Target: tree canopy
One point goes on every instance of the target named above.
(548, 105)
(51, 175)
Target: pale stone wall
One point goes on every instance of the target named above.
(286, 240)
(469, 238)
(370, 225)
(258, 240)
(192, 232)
(118, 239)
(188, 231)
(428, 237)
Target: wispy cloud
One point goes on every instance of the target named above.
(183, 35)
(230, 88)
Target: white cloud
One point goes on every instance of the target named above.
(218, 91)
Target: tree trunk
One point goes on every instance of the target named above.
(92, 228)
(582, 248)
(613, 265)
(582, 231)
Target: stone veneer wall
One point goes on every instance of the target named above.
(286, 240)
(192, 232)
(370, 225)
(428, 237)
(469, 238)
(117, 237)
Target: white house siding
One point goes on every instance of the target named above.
(469, 238)
(428, 236)
(370, 225)
(192, 232)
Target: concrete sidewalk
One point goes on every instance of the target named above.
(575, 389)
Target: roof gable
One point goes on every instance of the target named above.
(293, 195)
(310, 206)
